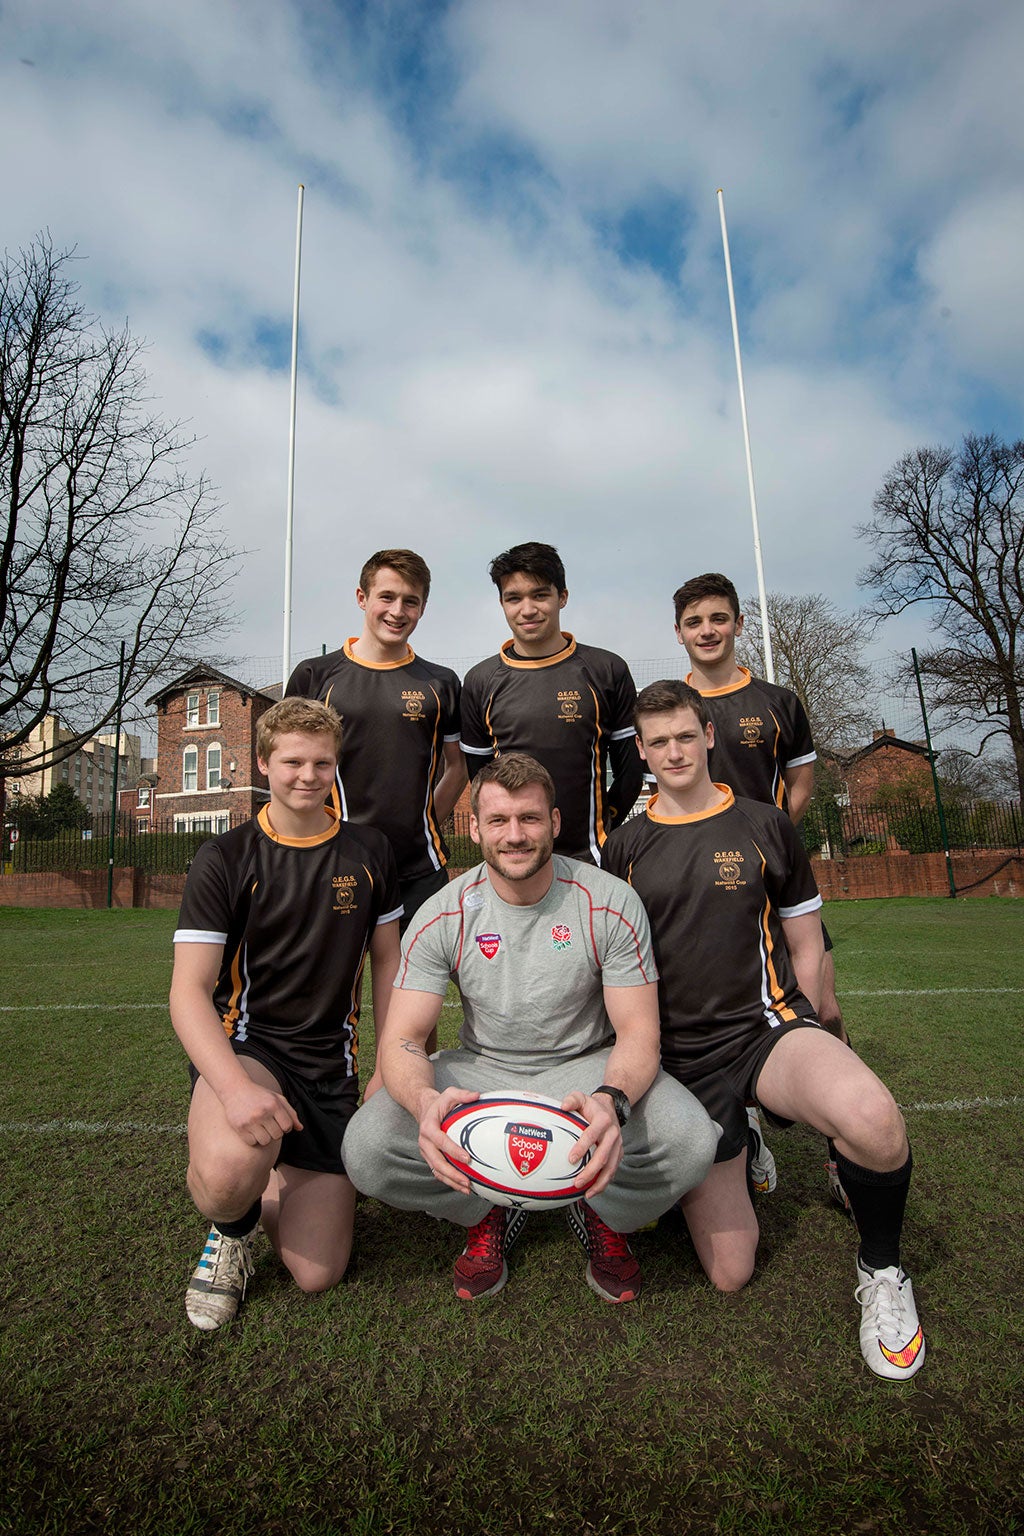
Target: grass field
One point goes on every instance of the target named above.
(388, 1406)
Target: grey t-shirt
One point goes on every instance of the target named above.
(531, 978)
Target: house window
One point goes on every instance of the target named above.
(190, 769)
(192, 709)
(213, 708)
(212, 821)
(144, 790)
(213, 767)
(143, 824)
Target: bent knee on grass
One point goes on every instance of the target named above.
(313, 1276)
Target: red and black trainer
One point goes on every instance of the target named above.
(613, 1272)
(480, 1269)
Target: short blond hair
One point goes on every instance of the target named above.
(306, 717)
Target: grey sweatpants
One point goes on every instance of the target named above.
(668, 1143)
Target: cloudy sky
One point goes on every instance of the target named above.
(515, 321)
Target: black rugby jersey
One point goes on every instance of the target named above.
(573, 712)
(716, 887)
(761, 729)
(295, 918)
(396, 717)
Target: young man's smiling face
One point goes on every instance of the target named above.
(675, 747)
(301, 770)
(708, 629)
(391, 609)
(533, 609)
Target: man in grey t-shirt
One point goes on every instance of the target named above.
(553, 962)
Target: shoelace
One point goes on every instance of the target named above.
(885, 1298)
(230, 1254)
(603, 1242)
(486, 1239)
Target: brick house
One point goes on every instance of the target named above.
(887, 769)
(207, 778)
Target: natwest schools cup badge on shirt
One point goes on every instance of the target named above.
(489, 944)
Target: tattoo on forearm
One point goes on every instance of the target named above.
(413, 1049)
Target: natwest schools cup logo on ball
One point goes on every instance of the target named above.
(526, 1146)
(489, 944)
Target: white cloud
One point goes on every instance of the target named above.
(482, 363)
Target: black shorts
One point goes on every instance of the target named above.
(325, 1108)
(416, 891)
(726, 1093)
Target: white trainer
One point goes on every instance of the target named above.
(219, 1280)
(891, 1339)
(763, 1173)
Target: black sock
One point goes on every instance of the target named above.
(878, 1201)
(244, 1225)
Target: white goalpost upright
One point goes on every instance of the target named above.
(769, 660)
(286, 649)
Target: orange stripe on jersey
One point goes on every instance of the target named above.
(779, 786)
(234, 1013)
(776, 989)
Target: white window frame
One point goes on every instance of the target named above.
(145, 794)
(203, 821)
(213, 751)
(190, 772)
(213, 707)
(192, 709)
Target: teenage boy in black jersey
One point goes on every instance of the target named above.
(569, 706)
(763, 749)
(400, 769)
(276, 921)
(737, 941)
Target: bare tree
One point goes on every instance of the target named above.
(107, 536)
(948, 531)
(817, 651)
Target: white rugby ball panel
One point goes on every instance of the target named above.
(515, 1149)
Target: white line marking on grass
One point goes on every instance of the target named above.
(78, 1007)
(92, 1128)
(954, 1106)
(136, 1127)
(927, 991)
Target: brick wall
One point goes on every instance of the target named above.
(989, 873)
(88, 888)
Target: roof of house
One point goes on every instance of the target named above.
(882, 739)
(204, 672)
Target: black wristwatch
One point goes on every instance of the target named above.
(620, 1102)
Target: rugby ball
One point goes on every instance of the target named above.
(514, 1149)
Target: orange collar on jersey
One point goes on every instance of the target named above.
(678, 821)
(716, 693)
(300, 842)
(527, 663)
(377, 666)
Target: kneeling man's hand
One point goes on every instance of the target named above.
(435, 1146)
(602, 1134)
